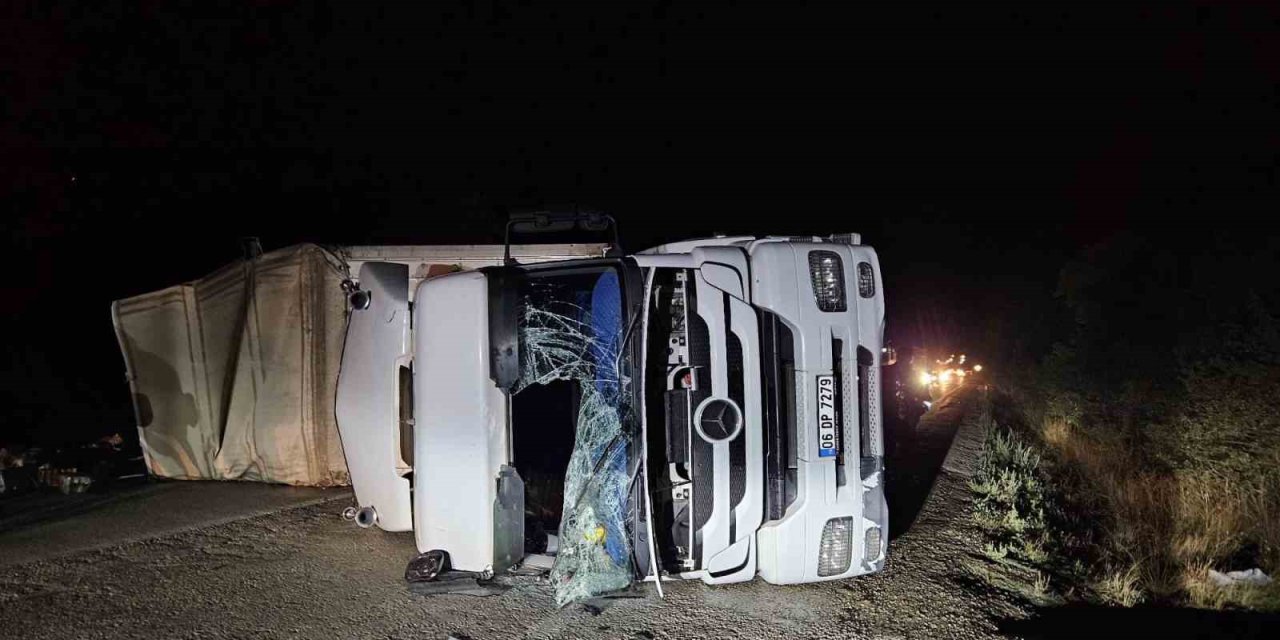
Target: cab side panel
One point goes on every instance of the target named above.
(369, 396)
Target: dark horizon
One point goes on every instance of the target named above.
(143, 143)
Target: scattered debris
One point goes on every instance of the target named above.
(69, 484)
(459, 583)
(1251, 577)
(91, 466)
(538, 561)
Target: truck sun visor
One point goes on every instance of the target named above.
(578, 337)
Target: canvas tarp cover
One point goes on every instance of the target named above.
(233, 375)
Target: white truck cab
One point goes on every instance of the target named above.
(784, 336)
(706, 409)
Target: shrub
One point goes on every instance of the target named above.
(1120, 587)
(1009, 498)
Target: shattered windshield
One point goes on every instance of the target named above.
(572, 328)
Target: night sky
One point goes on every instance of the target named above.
(977, 149)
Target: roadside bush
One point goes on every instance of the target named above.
(1009, 498)
(1009, 509)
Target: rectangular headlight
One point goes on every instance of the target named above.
(836, 549)
(871, 548)
(826, 271)
(866, 280)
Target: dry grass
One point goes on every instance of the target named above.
(1262, 503)
(1165, 530)
(1115, 521)
(1014, 577)
(1120, 587)
(1202, 591)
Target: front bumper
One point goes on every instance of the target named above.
(826, 489)
(789, 548)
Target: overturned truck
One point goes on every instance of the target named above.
(707, 409)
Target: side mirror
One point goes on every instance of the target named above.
(595, 221)
(504, 336)
(888, 356)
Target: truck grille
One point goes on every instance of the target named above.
(778, 383)
(867, 428)
(701, 457)
(738, 446)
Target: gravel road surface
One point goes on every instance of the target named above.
(303, 572)
(43, 526)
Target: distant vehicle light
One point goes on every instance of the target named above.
(945, 375)
(977, 367)
(926, 379)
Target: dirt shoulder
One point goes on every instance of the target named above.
(926, 591)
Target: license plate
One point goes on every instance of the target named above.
(828, 419)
